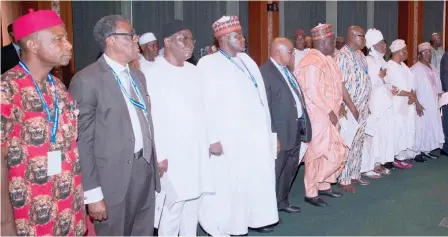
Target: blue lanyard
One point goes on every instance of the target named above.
(291, 81)
(250, 75)
(55, 119)
(137, 91)
(239, 67)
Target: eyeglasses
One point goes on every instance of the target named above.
(186, 39)
(133, 35)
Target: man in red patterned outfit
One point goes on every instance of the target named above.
(40, 165)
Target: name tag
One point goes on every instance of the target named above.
(54, 163)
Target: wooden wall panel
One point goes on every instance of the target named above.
(259, 33)
(410, 15)
(10, 10)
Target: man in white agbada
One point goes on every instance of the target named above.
(404, 104)
(379, 148)
(429, 131)
(180, 133)
(150, 50)
(242, 145)
(299, 46)
(437, 52)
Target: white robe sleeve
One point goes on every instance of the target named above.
(211, 99)
(374, 73)
(158, 112)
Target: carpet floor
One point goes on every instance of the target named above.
(407, 202)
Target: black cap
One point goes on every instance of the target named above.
(173, 27)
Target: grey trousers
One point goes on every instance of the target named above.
(135, 215)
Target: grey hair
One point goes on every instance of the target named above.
(105, 27)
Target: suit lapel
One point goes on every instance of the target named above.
(113, 89)
(279, 75)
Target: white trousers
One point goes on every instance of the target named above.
(181, 220)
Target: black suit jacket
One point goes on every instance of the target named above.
(444, 71)
(282, 107)
(10, 58)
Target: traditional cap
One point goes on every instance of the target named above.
(322, 31)
(173, 27)
(435, 33)
(146, 38)
(226, 25)
(35, 21)
(340, 39)
(373, 36)
(424, 46)
(299, 32)
(397, 45)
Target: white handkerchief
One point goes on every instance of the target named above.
(349, 128)
(370, 125)
(303, 149)
(443, 100)
(168, 188)
(160, 200)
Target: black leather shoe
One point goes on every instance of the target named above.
(388, 165)
(429, 156)
(330, 193)
(316, 201)
(266, 229)
(443, 153)
(419, 159)
(290, 209)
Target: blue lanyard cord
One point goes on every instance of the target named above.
(239, 67)
(55, 119)
(250, 76)
(137, 91)
(291, 81)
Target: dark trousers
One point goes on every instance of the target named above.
(135, 215)
(445, 126)
(286, 167)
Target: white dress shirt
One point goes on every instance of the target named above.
(96, 194)
(296, 97)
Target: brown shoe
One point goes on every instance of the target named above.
(360, 181)
(348, 188)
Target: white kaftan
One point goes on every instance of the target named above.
(299, 54)
(429, 131)
(244, 176)
(401, 77)
(380, 148)
(180, 134)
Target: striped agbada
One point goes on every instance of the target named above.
(353, 66)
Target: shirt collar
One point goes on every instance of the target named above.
(16, 46)
(118, 68)
(276, 64)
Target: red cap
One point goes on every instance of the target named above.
(35, 21)
(299, 32)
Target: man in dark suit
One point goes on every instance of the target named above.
(288, 116)
(116, 145)
(444, 80)
(10, 53)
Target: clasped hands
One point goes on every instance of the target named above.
(342, 113)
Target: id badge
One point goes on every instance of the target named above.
(54, 163)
